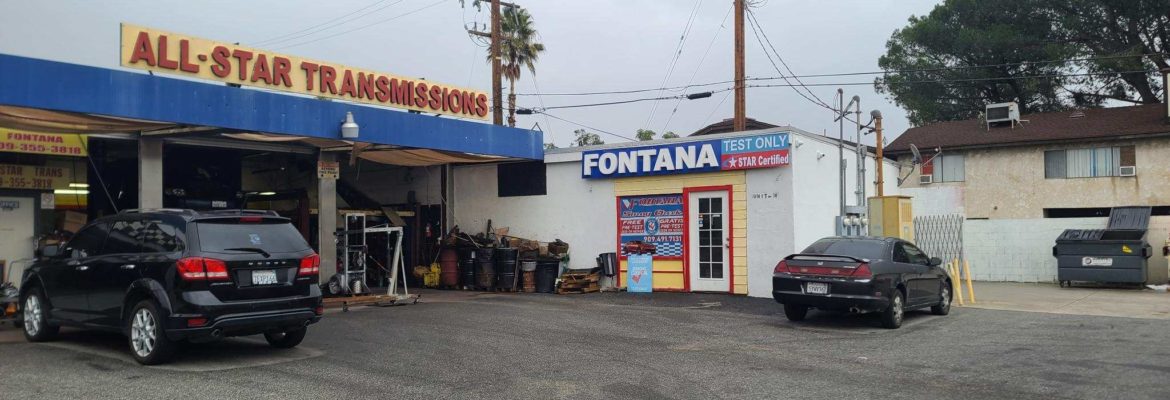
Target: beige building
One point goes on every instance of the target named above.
(1020, 182)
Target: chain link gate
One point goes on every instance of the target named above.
(940, 235)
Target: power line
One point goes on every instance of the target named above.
(700, 66)
(756, 30)
(904, 71)
(324, 26)
(677, 54)
(586, 126)
(364, 26)
(713, 110)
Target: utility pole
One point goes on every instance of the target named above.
(861, 156)
(497, 84)
(495, 37)
(740, 121)
(877, 129)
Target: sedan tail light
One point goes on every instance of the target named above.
(310, 265)
(781, 267)
(862, 272)
(193, 269)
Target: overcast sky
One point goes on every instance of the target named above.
(596, 45)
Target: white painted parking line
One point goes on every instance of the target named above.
(227, 354)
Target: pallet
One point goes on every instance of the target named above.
(591, 288)
(346, 302)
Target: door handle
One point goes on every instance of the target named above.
(82, 267)
(127, 266)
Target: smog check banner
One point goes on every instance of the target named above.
(657, 220)
(729, 154)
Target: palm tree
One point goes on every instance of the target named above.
(518, 48)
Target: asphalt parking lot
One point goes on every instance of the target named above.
(618, 345)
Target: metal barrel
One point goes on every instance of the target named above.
(485, 269)
(506, 267)
(449, 267)
(528, 276)
(467, 267)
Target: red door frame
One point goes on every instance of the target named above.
(730, 237)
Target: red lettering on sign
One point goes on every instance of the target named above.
(481, 107)
(243, 56)
(454, 101)
(280, 69)
(347, 86)
(467, 102)
(310, 72)
(365, 85)
(436, 98)
(260, 69)
(185, 58)
(328, 75)
(162, 54)
(420, 95)
(400, 92)
(223, 66)
(143, 51)
(383, 93)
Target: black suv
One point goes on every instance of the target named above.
(162, 276)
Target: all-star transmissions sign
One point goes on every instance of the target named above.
(171, 53)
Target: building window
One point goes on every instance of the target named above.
(1087, 163)
(945, 168)
(521, 179)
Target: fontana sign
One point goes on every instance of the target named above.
(729, 154)
(170, 53)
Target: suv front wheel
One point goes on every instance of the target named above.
(148, 342)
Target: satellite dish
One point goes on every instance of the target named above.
(917, 155)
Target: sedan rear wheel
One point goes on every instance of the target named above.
(892, 316)
(795, 312)
(944, 302)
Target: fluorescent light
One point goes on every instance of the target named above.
(79, 185)
(266, 193)
(70, 191)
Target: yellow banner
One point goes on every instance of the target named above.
(171, 53)
(53, 144)
(32, 177)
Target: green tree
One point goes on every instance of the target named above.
(550, 146)
(645, 134)
(586, 138)
(669, 135)
(931, 63)
(519, 50)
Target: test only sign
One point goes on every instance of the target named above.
(656, 220)
(640, 273)
(729, 154)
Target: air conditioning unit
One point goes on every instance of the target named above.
(1002, 112)
(925, 179)
(1128, 171)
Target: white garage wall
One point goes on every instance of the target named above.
(578, 211)
(769, 227)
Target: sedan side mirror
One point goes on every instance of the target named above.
(51, 251)
(935, 261)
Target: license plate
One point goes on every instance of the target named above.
(266, 277)
(816, 288)
(1097, 262)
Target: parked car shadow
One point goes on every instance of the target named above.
(230, 353)
(837, 321)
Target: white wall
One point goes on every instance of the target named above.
(1020, 250)
(388, 184)
(938, 199)
(578, 211)
(769, 227)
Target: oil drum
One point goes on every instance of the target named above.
(449, 267)
(467, 267)
(485, 269)
(506, 267)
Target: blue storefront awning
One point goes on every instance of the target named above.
(35, 83)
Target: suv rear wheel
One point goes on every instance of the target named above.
(148, 342)
(287, 339)
(36, 317)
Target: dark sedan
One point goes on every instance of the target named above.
(862, 275)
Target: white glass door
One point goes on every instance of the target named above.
(708, 241)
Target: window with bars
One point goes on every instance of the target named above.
(1088, 162)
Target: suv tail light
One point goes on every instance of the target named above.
(862, 272)
(202, 269)
(310, 265)
(781, 267)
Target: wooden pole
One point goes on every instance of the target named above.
(880, 146)
(497, 85)
(740, 121)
